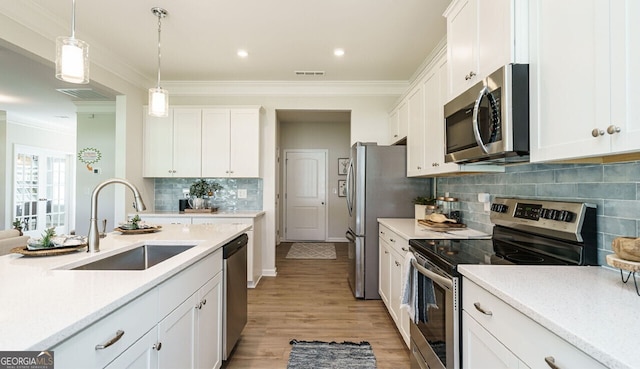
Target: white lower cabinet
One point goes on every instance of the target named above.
(392, 249)
(177, 324)
(482, 350)
(496, 334)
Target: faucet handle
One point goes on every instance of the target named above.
(103, 234)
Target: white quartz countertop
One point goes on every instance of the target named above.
(219, 214)
(408, 228)
(587, 306)
(41, 304)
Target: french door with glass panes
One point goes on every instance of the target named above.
(42, 190)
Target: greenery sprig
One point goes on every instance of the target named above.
(202, 187)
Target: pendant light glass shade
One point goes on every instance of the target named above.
(158, 102)
(72, 56)
(158, 96)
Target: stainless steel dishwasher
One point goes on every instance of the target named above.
(234, 313)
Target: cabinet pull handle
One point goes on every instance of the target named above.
(386, 252)
(397, 264)
(404, 249)
(551, 362)
(480, 309)
(157, 346)
(204, 302)
(115, 339)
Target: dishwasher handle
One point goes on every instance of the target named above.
(235, 245)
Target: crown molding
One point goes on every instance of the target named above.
(285, 88)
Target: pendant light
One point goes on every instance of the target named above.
(72, 55)
(158, 96)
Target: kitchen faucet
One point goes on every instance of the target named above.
(94, 234)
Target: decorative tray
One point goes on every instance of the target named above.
(139, 230)
(207, 210)
(443, 226)
(52, 251)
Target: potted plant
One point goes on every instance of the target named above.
(17, 224)
(199, 189)
(421, 203)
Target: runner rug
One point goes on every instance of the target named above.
(331, 355)
(312, 250)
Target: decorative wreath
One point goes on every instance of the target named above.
(89, 155)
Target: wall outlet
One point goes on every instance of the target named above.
(185, 192)
(242, 194)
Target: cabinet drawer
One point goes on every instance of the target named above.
(134, 319)
(177, 289)
(397, 243)
(528, 340)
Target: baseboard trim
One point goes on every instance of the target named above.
(269, 272)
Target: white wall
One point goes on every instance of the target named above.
(96, 130)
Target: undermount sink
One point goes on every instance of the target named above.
(140, 258)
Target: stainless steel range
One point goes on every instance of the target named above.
(526, 232)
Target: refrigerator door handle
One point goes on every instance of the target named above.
(350, 236)
(349, 188)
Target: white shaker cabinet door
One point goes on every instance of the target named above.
(215, 142)
(570, 79)
(158, 146)
(244, 151)
(187, 136)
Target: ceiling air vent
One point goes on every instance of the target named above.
(309, 73)
(83, 94)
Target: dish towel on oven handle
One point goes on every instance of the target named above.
(417, 290)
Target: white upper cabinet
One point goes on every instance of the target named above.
(585, 73)
(231, 142)
(203, 142)
(416, 132)
(172, 144)
(483, 35)
(399, 123)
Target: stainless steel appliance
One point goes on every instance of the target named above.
(377, 186)
(526, 232)
(234, 313)
(490, 121)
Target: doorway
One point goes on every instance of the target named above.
(310, 130)
(305, 192)
(42, 190)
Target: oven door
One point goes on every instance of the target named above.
(434, 343)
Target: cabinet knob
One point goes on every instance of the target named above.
(613, 129)
(157, 346)
(392, 240)
(419, 168)
(397, 264)
(597, 132)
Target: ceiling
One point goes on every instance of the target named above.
(383, 40)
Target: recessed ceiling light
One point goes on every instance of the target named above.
(243, 53)
(338, 52)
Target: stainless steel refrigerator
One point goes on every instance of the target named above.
(377, 187)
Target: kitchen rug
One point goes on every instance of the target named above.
(312, 250)
(331, 355)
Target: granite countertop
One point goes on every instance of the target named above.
(408, 228)
(218, 214)
(587, 306)
(43, 304)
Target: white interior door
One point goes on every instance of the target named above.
(305, 195)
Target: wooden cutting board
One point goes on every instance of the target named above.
(445, 225)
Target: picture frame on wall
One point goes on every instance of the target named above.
(343, 166)
(342, 188)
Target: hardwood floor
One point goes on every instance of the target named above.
(311, 300)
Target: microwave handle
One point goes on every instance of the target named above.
(476, 125)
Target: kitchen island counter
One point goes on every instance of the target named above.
(587, 306)
(44, 304)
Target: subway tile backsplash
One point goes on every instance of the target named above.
(169, 190)
(613, 188)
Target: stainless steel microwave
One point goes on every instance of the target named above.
(490, 121)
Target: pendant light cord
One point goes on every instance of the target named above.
(73, 19)
(159, 45)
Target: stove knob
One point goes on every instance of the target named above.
(552, 214)
(544, 213)
(502, 208)
(566, 216)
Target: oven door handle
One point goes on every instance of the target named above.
(440, 280)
